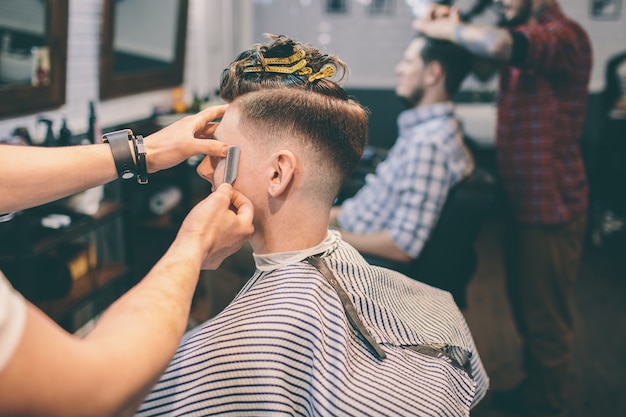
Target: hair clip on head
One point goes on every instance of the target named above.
(297, 56)
(325, 72)
(297, 67)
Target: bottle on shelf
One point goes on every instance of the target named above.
(178, 100)
(196, 104)
(65, 134)
(50, 139)
(93, 129)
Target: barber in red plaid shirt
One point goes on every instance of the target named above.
(546, 61)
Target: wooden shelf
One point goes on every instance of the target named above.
(106, 212)
(84, 288)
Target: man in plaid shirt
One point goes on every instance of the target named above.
(393, 214)
(546, 61)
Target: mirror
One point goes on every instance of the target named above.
(143, 46)
(33, 55)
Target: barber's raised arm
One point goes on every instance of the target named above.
(31, 175)
(485, 41)
(108, 373)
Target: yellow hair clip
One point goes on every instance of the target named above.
(290, 59)
(283, 70)
(326, 71)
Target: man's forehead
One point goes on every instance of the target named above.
(417, 44)
(228, 126)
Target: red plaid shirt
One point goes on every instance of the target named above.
(541, 111)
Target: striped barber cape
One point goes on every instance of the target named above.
(285, 347)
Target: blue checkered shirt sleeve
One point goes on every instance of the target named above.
(420, 202)
(404, 198)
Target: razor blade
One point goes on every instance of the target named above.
(232, 163)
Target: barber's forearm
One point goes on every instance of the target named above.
(34, 176)
(141, 331)
(380, 245)
(113, 368)
(484, 41)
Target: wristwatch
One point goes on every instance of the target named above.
(124, 163)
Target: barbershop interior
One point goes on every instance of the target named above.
(73, 70)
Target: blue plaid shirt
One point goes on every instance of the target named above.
(406, 193)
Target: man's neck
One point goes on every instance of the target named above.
(302, 228)
(428, 100)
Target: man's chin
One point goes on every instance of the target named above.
(405, 100)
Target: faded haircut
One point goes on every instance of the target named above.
(332, 131)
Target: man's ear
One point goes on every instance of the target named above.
(283, 170)
(434, 73)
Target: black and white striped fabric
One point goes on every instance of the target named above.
(284, 347)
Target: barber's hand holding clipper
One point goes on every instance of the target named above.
(440, 22)
(216, 227)
(220, 224)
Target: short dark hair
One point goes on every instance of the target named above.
(455, 60)
(235, 81)
(332, 129)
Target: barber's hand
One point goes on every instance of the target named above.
(438, 11)
(439, 22)
(217, 226)
(185, 138)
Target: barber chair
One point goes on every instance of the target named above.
(608, 166)
(448, 259)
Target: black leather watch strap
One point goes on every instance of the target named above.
(124, 163)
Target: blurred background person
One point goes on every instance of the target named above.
(391, 217)
(544, 74)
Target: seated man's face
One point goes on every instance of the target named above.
(212, 169)
(411, 72)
